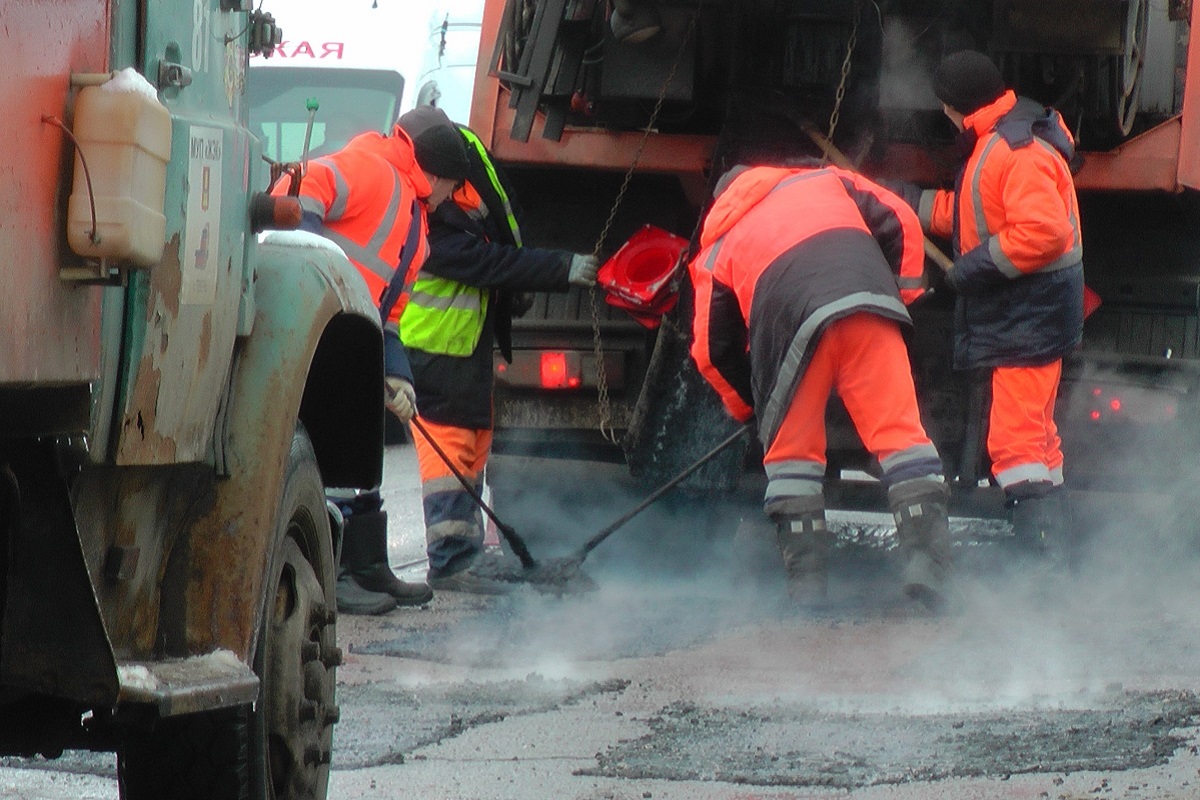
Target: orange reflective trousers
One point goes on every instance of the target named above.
(453, 522)
(1023, 440)
(864, 359)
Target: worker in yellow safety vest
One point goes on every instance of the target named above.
(461, 308)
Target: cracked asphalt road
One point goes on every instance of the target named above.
(687, 675)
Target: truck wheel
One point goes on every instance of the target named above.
(279, 749)
(292, 729)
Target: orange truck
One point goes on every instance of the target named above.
(611, 116)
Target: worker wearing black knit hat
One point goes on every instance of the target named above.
(1018, 274)
(373, 198)
(967, 81)
(439, 149)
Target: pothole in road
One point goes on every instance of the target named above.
(797, 746)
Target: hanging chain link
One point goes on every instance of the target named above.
(604, 403)
(841, 89)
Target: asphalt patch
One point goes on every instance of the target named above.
(792, 745)
(384, 723)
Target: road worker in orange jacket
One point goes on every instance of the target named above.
(1013, 220)
(371, 198)
(800, 289)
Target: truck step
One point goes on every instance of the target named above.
(184, 686)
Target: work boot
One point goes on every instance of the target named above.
(364, 558)
(353, 599)
(804, 543)
(466, 580)
(378, 577)
(920, 508)
(1038, 514)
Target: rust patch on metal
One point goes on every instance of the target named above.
(206, 335)
(140, 418)
(222, 602)
(166, 281)
(149, 510)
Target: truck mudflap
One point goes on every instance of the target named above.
(54, 637)
(55, 640)
(185, 686)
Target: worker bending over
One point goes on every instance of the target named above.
(460, 310)
(801, 286)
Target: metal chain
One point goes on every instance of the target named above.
(841, 89)
(604, 404)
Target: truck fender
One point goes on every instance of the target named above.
(314, 355)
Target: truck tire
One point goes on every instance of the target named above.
(280, 748)
(297, 654)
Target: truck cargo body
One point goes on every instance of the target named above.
(172, 409)
(572, 111)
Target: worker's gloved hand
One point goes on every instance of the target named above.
(400, 397)
(583, 270)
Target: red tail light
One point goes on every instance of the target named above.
(559, 371)
(1132, 404)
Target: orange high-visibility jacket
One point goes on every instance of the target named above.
(784, 253)
(1013, 219)
(364, 197)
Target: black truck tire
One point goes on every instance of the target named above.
(280, 748)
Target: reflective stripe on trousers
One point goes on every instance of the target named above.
(450, 511)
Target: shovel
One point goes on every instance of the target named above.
(557, 572)
(1091, 300)
(840, 159)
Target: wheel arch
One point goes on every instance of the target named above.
(314, 356)
(342, 407)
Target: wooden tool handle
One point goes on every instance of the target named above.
(839, 158)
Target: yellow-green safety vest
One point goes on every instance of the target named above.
(444, 316)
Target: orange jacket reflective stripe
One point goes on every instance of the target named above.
(1026, 202)
(828, 242)
(363, 195)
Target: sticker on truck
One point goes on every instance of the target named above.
(198, 267)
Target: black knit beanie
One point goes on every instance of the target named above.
(437, 144)
(967, 81)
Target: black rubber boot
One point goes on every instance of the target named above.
(804, 543)
(920, 508)
(1038, 513)
(353, 599)
(364, 558)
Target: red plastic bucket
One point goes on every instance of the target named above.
(637, 277)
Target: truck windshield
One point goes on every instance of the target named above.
(350, 102)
